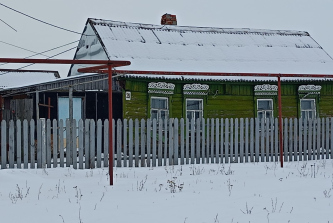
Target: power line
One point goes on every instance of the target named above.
(68, 30)
(8, 25)
(41, 53)
(46, 58)
(21, 48)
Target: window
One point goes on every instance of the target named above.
(264, 109)
(159, 108)
(308, 108)
(194, 109)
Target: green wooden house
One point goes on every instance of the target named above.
(170, 48)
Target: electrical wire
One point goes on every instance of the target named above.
(68, 30)
(21, 48)
(41, 53)
(8, 25)
(46, 58)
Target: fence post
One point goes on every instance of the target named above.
(125, 142)
(197, 157)
(247, 140)
(154, 143)
(176, 142)
(257, 134)
(217, 140)
(285, 141)
(327, 138)
(143, 142)
(203, 140)
(106, 143)
(182, 139)
(18, 144)
(226, 140)
(290, 144)
(3, 145)
(241, 139)
(86, 143)
(300, 139)
(99, 143)
(160, 142)
(48, 151)
(92, 144)
(252, 133)
(262, 139)
(119, 140)
(236, 146)
(295, 139)
(192, 140)
(222, 140)
(32, 144)
(148, 133)
(130, 143)
(25, 144)
(171, 141)
(136, 133)
(81, 143)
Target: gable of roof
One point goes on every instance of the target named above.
(15, 78)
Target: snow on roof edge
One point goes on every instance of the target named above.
(197, 29)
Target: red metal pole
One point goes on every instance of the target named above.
(280, 121)
(110, 125)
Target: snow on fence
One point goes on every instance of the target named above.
(84, 144)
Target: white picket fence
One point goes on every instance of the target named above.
(148, 143)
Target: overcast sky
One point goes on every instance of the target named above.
(314, 16)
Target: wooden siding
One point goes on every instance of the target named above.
(225, 99)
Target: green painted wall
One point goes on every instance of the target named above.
(225, 99)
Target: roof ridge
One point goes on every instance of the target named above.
(104, 22)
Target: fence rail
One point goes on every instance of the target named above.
(142, 143)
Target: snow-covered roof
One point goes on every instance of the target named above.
(17, 78)
(202, 49)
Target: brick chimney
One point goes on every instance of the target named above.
(168, 19)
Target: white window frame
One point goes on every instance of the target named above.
(314, 110)
(158, 109)
(193, 111)
(266, 110)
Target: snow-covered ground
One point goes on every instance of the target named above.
(251, 192)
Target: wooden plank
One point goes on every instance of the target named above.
(25, 144)
(192, 140)
(197, 144)
(247, 142)
(119, 141)
(68, 143)
(3, 145)
(276, 137)
(182, 139)
(143, 142)
(136, 144)
(222, 140)
(113, 142)
(125, 156)
(310, 145)
(48, 151)
(32, 144)
(81, 143)
(217, 141)
(316, 147)
(295, 140)
(212, 140)
(272, 140)
(160, 142)
(148, 133)
(231, 150)
(187, 137)
(241, 140)
(99, 144)
(285, 140)
(106, 143)
(92, 144)
(236, 145)
(130, 143)
(11, 143)
(267, 140)
(252, 140)
(39, 143)
(262, 140)
(175, 141)
(305, 141)
(290, 140)
(207, 140)
(87, 143)
(18, 144)
(331, 144)
(154, 148)
(226, 137)
(55, 143)
(322, 138)
(74, 144)
(165, 142)
(327, 123)
(203, 140)
(61, 143)
(170, 156)
(300, 140)
(257, 135)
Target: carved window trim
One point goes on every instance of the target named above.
(161, 88)
(195, 89)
